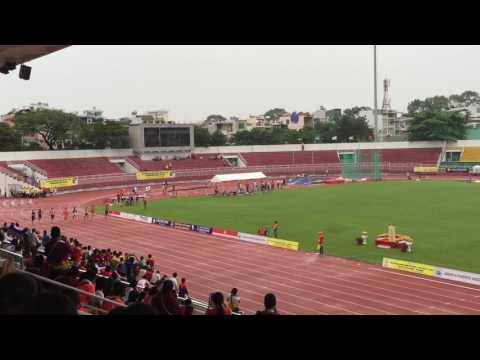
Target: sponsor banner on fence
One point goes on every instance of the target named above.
(409, 266)
(183, 226)
(457, 275)
(202, 229)
(425, 169)
(153, 175)
(57, 183)
(114, 213)
(164, 222)
(252, 238)
(226, 233)
(284, 244)
(145, 219)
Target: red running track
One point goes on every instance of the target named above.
(304, 283)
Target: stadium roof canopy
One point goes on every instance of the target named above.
(238, 177)
(19, 54)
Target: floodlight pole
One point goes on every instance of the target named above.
(375, 135)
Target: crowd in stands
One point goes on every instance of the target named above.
(111, 282)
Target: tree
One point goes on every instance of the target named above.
(349, 125)
(469, 97)
(101, 135)
(218, 139)
(432, 104)
(274, 114)
(439, 126)
(201, 136)
(52, 125)
(215, 118)
(9, 139)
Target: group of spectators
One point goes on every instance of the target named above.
(111, 282)
(253, 187)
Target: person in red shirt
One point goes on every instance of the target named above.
(321, 243)
(262, 231)
(77, 253)
(87, 284)
(150, 261)
(117, 294)
(149, 274)
(217, 305)
(182, 289)
(166, 301)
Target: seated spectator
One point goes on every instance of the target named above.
(45, 239)
(100, 284)
(87, 283)
(143, 284)
(70, 278)
(53, 303)
(117, 294)
(150, 293)
(149, 274)
(234, 300)
(166, 301)
(217, 305)
(188, 307)
(270, 303)
(17, 292)
(182, 289)
(38, 266)
(58, 251)
(77, 253)
(141, 274)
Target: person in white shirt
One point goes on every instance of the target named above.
(173, 279)
(156, 277)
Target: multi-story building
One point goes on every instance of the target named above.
(391, 124)
(227, 127)
(91, 116)
(150, 117)
(472, 113)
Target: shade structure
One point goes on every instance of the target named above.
(238, 177)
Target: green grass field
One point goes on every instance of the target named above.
(442, 218)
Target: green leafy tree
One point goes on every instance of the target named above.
(201, 136)
(10, 140)
(215, 118)
(52, 125)
(440, 126)
(218, 139)
(274, 114)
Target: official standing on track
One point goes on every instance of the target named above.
(321, 243)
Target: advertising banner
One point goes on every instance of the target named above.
(155, 175)
(183, 226)
(226, 233)
(425, 169)
(202, 229)
(161, 222)
(457, 275)
(284, 244)
(409, 266)
(57, 183)
(253, 238)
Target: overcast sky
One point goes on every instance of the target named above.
(193, 82)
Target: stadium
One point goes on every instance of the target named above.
(378, 228)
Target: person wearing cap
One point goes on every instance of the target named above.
(321, 243)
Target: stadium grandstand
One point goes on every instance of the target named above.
(68, 247)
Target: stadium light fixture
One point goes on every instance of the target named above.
(375, 116)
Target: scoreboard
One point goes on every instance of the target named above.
(144, 138)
